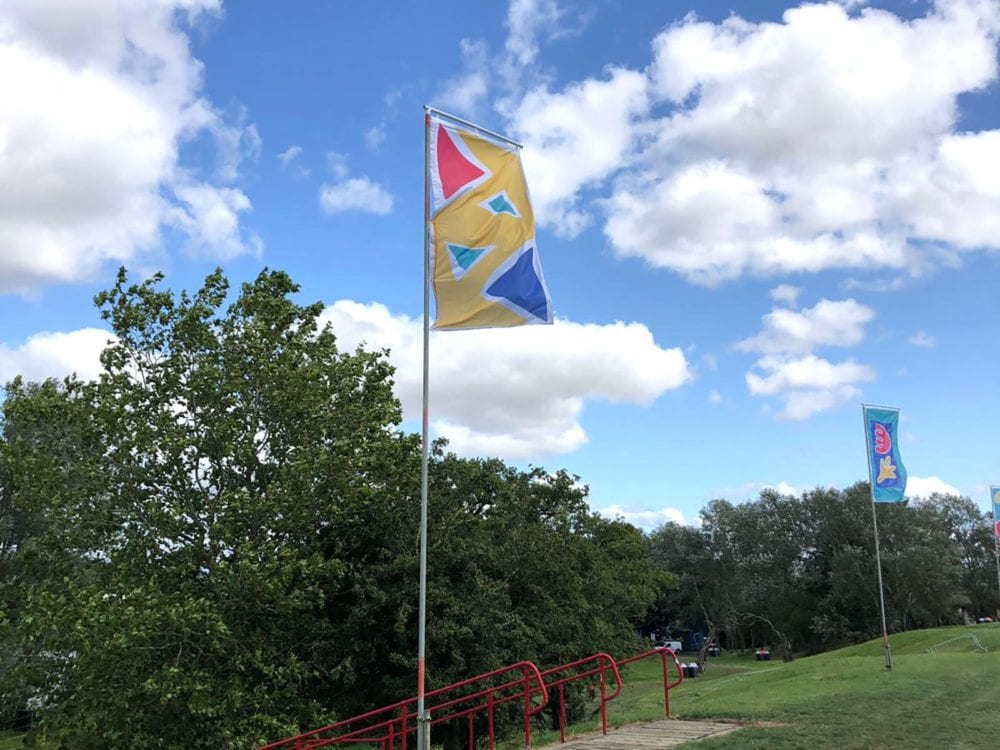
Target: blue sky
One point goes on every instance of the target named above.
(753, 216)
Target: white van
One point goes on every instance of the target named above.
(674, 646)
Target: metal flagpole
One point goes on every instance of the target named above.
(878, 554)
(423, 719)
(996, 552)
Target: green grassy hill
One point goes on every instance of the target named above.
(842, 699)
(942, 694)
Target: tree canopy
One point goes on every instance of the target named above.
(215, 543)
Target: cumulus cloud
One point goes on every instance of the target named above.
(375, 136)
(106, 94)
(789, 370)
(576, 138)
(644, 518)
(819, 154)
(828, 323)
(289, 155)
(55, 355)
(922, 339)
(807, 384)
(465, 92)
(526, 21)
(348, 193)
(785, 294)
(825, 140)
(355, 194)
(515, 392)
(927, 486)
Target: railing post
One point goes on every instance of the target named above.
(392, 735)
(666, 685)
(527, 710)
(604, 704)
(402, 727)
(562, 712)
(489, 711)
(472, 733)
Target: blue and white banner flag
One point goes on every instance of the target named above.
(887, 471)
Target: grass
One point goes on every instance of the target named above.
(842, 699)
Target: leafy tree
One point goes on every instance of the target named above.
(215, 543)
(179, 577)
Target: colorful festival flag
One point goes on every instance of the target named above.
(484, 266)
(887, 471)
(995, 497)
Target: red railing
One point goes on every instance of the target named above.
(663, 653)
(385, 727)
(391, 726)
(583, 669)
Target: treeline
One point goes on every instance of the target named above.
(215, 544)
(798, 573)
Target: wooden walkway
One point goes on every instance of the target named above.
(649, 736)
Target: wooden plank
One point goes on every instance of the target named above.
(654, 735)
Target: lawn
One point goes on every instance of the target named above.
(842, 699)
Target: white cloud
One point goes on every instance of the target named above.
(807, 384)
(825, 140)
(526, 21)
(375, 136)
(105, 95)
(786, 294)
(788, 369)
(355, 194)
(714, 397)
(927, 486)
(922, 339)
(210, 218)
(464, 93)
(348, 193)
(577, 138)
(645, 519)
(515, 392)
(828, 323)
(289, 155)
(55, 355)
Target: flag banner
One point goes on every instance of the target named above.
(887, 470)
(995, 497)
(484, 267)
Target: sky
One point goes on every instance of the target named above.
(753, 217)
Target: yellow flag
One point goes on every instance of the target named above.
(484, 267)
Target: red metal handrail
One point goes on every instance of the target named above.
(384, 727)
(583, 669)
(667, 685)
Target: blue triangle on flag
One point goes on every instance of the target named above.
(521, 286)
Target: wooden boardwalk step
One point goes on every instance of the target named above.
(649, 736)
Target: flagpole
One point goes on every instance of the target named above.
(878, 554)
(996, 553)
(423, 719)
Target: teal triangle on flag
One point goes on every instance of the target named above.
(501, 204)
(463, 258)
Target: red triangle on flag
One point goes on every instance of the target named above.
(454, 169)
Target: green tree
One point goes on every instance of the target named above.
(175, 595)
(217, 540)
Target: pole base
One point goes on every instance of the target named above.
(424, 731)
